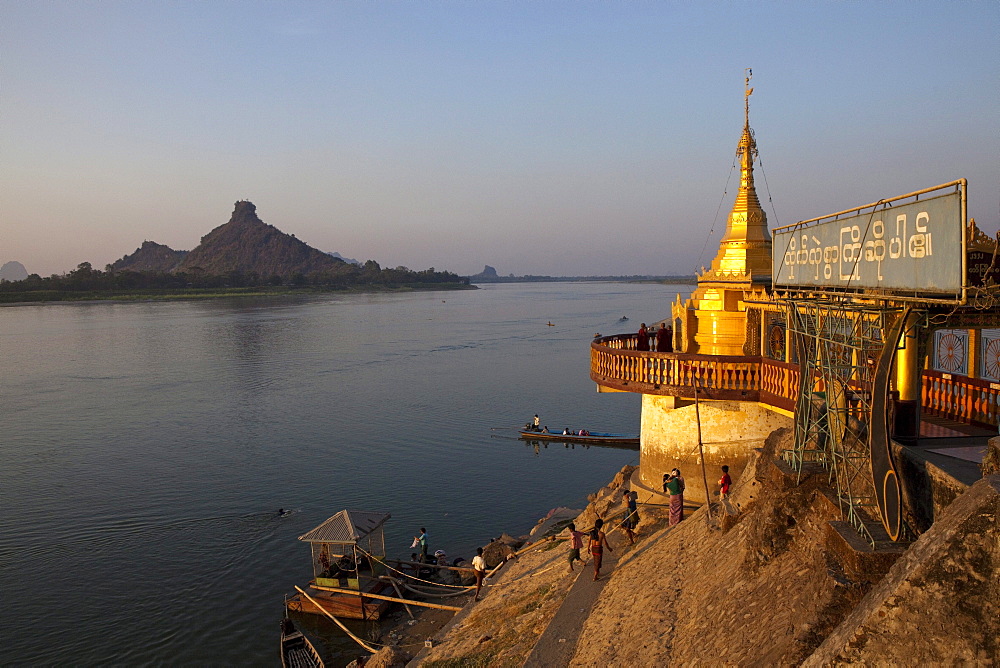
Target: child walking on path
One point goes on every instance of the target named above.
(725, 482)
(576, 544)
(598, 541)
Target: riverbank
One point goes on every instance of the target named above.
(765, 578)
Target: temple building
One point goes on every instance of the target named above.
(714, 320)
(717, 339)
(735, 352)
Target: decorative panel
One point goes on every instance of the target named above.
(951, 351)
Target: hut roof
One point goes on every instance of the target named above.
(347, 526)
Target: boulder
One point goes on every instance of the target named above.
(499, 551)
(388, 657)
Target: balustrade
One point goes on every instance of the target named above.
(615, 363)
(960, 398)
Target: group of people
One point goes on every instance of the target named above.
(664, 338)
(673, 485)
(441, 559)
(535, 425)
(597, 541)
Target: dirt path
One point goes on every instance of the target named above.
(557, 644)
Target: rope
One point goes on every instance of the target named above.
(414, 577)
(711, 231)
(768, 188)
(436, 595)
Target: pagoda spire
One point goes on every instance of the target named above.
(714, 320)
(746, 246)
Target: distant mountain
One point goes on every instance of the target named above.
(249, 245)
(348, 260)
(13, 271)
(487, 275)
(150, 256)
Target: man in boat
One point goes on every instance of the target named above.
(535, 424)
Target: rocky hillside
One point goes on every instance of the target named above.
(770, 581)
(249, 245)
(150, 256)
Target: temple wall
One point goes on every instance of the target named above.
(730, 432)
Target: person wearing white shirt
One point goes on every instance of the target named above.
(479, 568)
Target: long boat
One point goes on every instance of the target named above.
(592, 437)
(296, 650)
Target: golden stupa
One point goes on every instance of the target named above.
(713, 321)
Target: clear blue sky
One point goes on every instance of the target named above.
(562, 138)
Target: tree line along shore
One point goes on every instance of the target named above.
(86, 283)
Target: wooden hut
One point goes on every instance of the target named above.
(348, 556)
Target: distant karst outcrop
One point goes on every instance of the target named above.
(13, 271)
(249, 245)
(348, 260)
(487, 275)
(245, 244)
(150, 256)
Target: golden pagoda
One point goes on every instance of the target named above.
(714, 320)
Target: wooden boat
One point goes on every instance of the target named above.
(593, 437)
(349, 606)
(348, 555)
(296, 650)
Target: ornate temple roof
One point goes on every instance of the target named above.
(745, 248)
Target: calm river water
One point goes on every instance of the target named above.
(145, 449)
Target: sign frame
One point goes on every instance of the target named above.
(830, 263)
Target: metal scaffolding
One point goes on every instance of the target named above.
(844, 351)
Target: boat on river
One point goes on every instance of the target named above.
(296, 650)
(590, 437)
(348, 557)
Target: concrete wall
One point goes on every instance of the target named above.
(730, 432)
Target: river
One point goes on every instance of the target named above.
(146, 447)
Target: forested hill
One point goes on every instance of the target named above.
(150, 256)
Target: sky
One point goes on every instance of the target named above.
(551, 137)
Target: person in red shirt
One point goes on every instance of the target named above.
(663, 342)
(642, 342)
(724, 483)
(598, 541)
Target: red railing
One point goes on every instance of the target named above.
(970, 400)
(614, 363)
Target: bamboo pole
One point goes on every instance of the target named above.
(353, 592)
(701, 449)
(338, 622)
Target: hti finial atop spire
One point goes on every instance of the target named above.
(747, 94)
